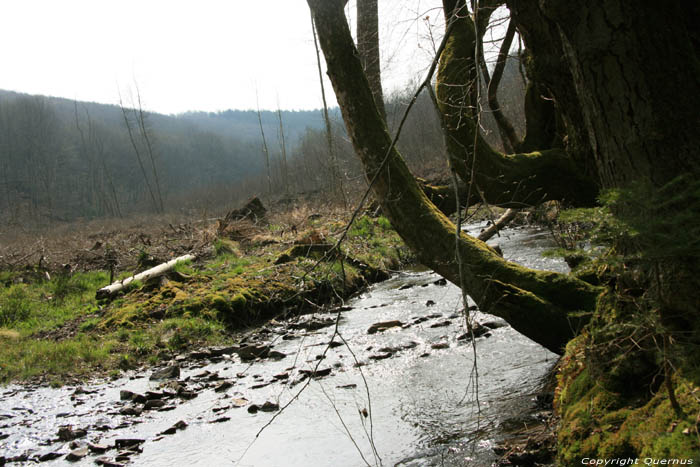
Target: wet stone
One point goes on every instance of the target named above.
(130, 410)
(220, 420)
(251, 352)
(77, 454)
(441, 324)
(49, 456)
(98, 448)
(270, 407)
(275, 355)
(494, 324)
(151, 395)
(316, 373)
(224, 386)
(381, 356)
(383, 326)
(181, 425)
(67, 433)
(122, 443)
(154, 404)
(169, 372)
(108, 462)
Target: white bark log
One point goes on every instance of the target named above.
(498, 225)
(111, 290)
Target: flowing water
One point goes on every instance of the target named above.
(405, 396)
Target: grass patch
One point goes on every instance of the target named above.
(57, 328)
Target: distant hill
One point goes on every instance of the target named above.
(58, 164)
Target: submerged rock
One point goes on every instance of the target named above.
(108, 462)
(67, 433)
(383, 326)
(77, 454)
(169, 372)
(181, 425)
(270, 407)
(251, 352)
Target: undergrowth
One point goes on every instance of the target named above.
(630, 383)
(55, 328)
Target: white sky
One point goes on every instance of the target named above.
(185, 55)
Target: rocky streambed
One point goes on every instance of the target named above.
(389, 379)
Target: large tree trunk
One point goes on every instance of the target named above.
(548, 307)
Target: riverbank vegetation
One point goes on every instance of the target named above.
(52, 327)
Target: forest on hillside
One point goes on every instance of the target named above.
(62, 160)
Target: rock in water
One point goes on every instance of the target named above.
(383, 326)
(77, 454)
(169, 372)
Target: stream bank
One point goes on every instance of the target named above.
(55, 331)
(402, 395)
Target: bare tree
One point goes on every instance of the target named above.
(337, 179)
(264, 146)
(137, 151)
(283, 150)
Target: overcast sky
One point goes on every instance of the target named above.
(206, 55)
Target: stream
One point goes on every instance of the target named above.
(402, 396)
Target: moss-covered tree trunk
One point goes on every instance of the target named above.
(548, 307)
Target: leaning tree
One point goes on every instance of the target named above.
(611, 104)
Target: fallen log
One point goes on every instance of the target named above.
(502, 221)
(116, 287)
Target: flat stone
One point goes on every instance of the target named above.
(122, 443)
(169, 372)
(181, 425)
(270, 407)
(383, 326)
(224, 386)
(154, 404)
(67, 433)
(108, 462)
(317, 373)
(221, 351)
(441, 324)
(381, 356)
(77, 454)
(131, 410)
(239, 402)
(98, 448)
(220, 420)
(494, 324)
(49, 456)
(251, 352)
(440, 345)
